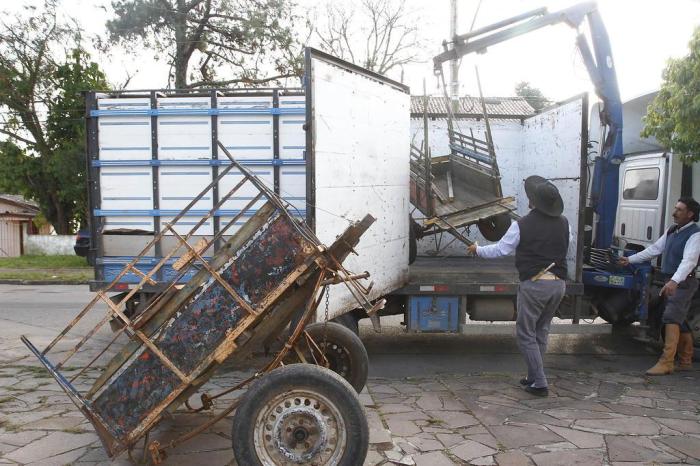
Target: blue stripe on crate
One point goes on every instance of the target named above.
(129, 223)
(293, 173)
(184, 198)
(194, 162)
(126, 148)
(293, 122)
(293, 147)
(253, 172)
(184, 122)
(125, 173)
(185, 173)
(243, 122)
(200, 111)
(184, 148)
(205, 224)
(126, 198)
(125, 123)
(173, 212)
(248, 147)
(292, 102)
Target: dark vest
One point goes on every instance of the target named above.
(543, 240)
(673, 251)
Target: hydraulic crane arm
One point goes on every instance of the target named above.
(600, 66)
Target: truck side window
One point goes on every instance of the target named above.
(641, 184)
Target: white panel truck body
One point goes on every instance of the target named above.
(443, 291)
(335, 149)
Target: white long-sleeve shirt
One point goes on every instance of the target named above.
(691, 252)
(506, 245)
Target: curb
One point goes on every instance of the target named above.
(11, 281)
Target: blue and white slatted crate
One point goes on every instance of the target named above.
(132, 172)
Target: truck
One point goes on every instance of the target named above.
(564, 146)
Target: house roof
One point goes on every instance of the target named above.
(26, 206)
(470, 107)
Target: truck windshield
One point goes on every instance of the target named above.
(641, 184)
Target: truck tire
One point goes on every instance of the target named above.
(349, 321)
(616, 307)
(300, 414)
(346, 354)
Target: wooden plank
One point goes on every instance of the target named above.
(450, 190)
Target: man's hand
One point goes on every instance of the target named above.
(669, 288)
(623, 261)
(471, 249)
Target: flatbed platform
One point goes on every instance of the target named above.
(467, 275)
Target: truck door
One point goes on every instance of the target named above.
(641, 200)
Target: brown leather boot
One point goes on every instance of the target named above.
(685, 352)
(665, 364)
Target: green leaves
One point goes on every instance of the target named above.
(673, 117)
(42, 109)
(213, 42)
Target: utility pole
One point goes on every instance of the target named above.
(454, 64)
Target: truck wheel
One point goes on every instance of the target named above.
(344, 350)
(349, 321)
(616, 307)
(300, 414)
(493, 228)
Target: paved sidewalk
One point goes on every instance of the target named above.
(589, 418)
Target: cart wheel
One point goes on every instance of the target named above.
(346, 354)
(493, 228)
(300, 414)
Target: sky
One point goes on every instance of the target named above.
(643, 34)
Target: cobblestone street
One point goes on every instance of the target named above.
(600, 416)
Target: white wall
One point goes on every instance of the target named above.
(49, 245)
(507, 139)
(361, 166)
(547, 144)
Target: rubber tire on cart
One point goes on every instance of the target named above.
(347, 355)
(300, 414)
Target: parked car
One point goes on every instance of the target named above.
(82, 244)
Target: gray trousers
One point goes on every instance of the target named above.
(537, 303)
(677, 306)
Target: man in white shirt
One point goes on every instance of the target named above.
(680, 247)
(540, 241)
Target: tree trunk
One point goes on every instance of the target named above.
(181, 45)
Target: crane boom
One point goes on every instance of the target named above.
(601, 68)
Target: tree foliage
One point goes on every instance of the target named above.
(42, 111)
(673, 117)
(532, 95)
(213, 42)
(379, 35)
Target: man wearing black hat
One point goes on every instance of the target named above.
(680, 246)
(540, 241)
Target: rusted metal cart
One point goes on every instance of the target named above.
(246, 290)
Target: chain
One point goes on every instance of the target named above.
(325, 324)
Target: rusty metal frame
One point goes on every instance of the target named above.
(145, 330)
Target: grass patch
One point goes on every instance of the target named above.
(43, 262)
(57, 275)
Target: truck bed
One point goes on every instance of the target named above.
(466, 275)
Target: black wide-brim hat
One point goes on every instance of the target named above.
(544, 196)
